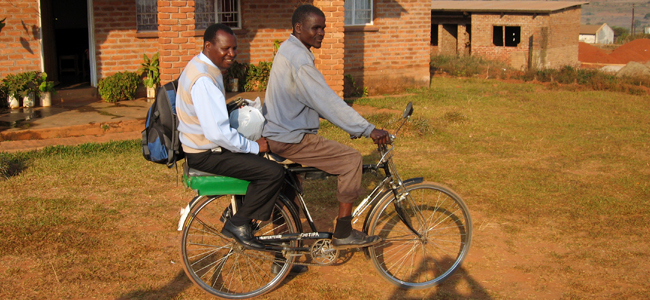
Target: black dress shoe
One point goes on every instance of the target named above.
(295, 269)
(357, 239)
(242, 234)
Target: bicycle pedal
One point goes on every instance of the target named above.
(227, 213)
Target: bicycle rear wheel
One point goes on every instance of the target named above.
(422, 260)
(221, 266)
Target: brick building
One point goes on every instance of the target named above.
(383, 44)
(526, 34)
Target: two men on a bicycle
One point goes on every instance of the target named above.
(296, 95)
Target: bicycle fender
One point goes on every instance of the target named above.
(372, 212)
(406, 182)
(292, 209)
(186, 211)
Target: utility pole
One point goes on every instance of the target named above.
(632, 29)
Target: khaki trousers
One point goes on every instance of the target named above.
(329, 156)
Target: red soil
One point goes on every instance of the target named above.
(636, 50)
(590, 54)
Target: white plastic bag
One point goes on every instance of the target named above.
(248, 120)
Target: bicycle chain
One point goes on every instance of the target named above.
(297, 255)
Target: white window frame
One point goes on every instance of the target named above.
(150, 3)
(218, 13)
(353, 11)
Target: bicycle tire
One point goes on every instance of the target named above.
(223, 268)
(411, 262)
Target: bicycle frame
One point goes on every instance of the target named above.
(425, 230)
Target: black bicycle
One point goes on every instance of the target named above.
(426, 230)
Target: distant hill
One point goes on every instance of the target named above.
(617, 13)
(613, 12)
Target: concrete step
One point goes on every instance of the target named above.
(76, 93)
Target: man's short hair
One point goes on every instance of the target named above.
(303, 11)
(211, 32)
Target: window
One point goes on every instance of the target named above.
(434, 34)
(358, 12)
(208, 12)
(146, 15)
(508, 36)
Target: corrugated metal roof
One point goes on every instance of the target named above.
(503, 6)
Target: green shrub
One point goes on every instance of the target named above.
(119, 86)
(237, 70)
(4, 94)
(21, 84)
(350, 88)
(467, 66)
(258, 76)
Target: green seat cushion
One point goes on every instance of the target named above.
(216, 185)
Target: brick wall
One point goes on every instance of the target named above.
(564, 31)
(263, 22)
(20, 48)
(393, 53)
(117, 46)
(553, 37)
(178, 41)
(482, 36)
(329, 58)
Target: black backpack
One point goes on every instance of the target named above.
(160, 142)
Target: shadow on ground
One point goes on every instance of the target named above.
(170, 291)
(460, 285)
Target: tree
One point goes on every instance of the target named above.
(647, 16)
(619, 31)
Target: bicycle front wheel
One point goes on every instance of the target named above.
(221, 266)
(434, 249)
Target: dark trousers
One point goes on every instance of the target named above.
(266, 178)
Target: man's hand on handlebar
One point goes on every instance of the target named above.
(264, 145)
(380, 136)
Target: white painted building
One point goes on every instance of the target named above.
(596, 34)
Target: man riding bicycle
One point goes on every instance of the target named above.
(296, 96)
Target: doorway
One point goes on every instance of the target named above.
(65, 42)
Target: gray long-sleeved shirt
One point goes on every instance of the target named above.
(297, 94)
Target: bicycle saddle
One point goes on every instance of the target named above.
(278, 159)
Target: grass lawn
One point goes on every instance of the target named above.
(558, 183)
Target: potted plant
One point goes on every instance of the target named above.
(31, 87)
(21, 86)
(149, 68)
(46, 89)
(13, 86)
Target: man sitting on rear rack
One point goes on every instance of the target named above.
(212, 146)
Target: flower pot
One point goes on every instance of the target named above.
(234, 84)
(46, 99)
(29, 100)
(13, 102)
(151, 92)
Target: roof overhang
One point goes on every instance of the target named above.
(504, 6)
